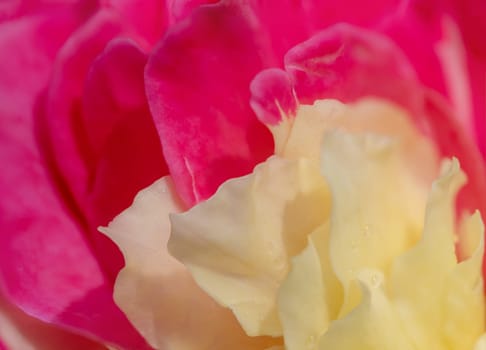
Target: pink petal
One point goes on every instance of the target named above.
(10, 9)
(65, 137)
(477, 74)
(285, 23)
(342, 62)
(197, 84)
(470, 15)
(272, 92)
(20, 331)
(416, 30)
(147, 20)
(179, 9)
(46, 265)
(123, 141)
(65, 132)
(429, 32)
(347, 62)
(454, 142)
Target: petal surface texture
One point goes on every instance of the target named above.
(157, 292)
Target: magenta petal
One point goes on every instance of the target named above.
(124, 145)
(20, 331)
(197, 83)
(146, 19)
(46, 265)
(65, 140)
(417, 31)
(272, 93)
(346, 63)
(470, 16)
(452, 141)
(179, 9)
(477, 69)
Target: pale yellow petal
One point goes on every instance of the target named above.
(301, 301)
(301, 136)
(377, 210)
(372, 325)
(157, 293)
(333, 290)
(463, 304)
(238, 243)
(418, 276)
(481, 343)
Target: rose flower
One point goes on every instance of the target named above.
(321, 179)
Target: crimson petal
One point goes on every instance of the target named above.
(197, 82)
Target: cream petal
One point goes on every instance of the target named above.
(481, 343)
(157, 292)
(418, 276)
(238, 243)
(301, 136)
(463, 300)
(372, 325)
(377, 209)
(333, 289)
(301, 301)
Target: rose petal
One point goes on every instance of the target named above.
(302, 309)
(453, 142)
(157, 292)
(240, 253)
(342, 62)
(273, 96)
(419, 305)
(464, 292)
(346, 63)
(47, 266)
(10, 9)
(19, 331)
(123, 143)
(62, 120)
(207, 135)
(147, 20)
(373, 324)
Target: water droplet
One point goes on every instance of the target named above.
(310, 341)
(366, 230)
(375, 280)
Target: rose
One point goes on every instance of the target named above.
(197, 147)
(74, 118)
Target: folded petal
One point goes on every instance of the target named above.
(241, 255)
(346, 63)
(157, 292)
(123, 143)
